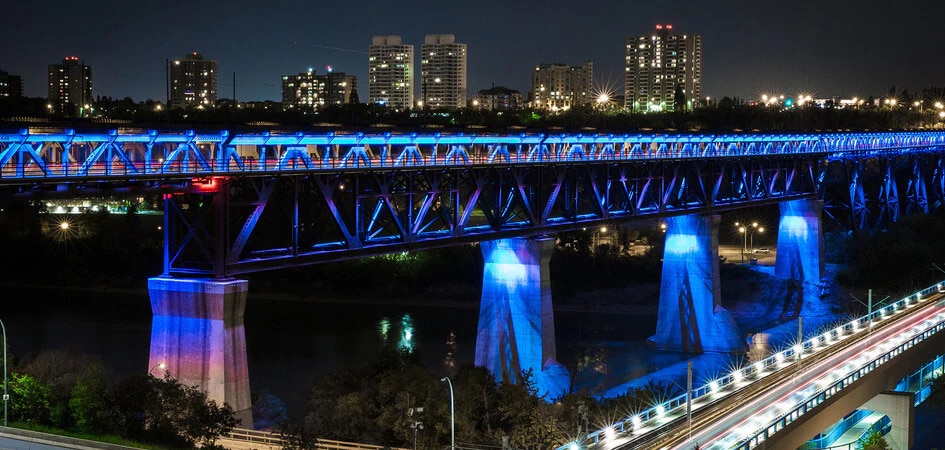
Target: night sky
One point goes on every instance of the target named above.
(824, 47)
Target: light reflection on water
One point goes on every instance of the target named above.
(404, 332)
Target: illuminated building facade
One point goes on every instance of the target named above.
(70, 87)
(301, 92)
(442, 72)
(193, 82)
(560, 86)
(499, 98)
(340, 88)
(10, 85)
(308, 91)
(657, 65)
(390, 72)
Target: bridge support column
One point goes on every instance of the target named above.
(900, 407)
(516, 318)
(800, 241)
(197, 333)
(691, 317)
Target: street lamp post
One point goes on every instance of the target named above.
(452, 415)
(161, 365)
(751, 240)
(744, 233)
(689, 397)
(6, 397)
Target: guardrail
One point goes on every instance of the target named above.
(822, 395)
(272, 440)
(118, 153)
(775, 361)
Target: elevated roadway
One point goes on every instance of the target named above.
(770, 402)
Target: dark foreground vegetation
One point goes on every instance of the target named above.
(63, 393)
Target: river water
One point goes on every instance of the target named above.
(291, 341)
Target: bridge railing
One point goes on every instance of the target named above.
(776, 361)
(123, 154)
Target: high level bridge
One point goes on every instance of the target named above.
(237, 203)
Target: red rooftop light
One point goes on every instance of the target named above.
(659, 26)
(669, 27)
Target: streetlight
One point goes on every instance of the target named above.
(759, 230)
(161, 365)
(452, 415)
(744, 233)
(6, 397)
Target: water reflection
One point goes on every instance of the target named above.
(403, 332)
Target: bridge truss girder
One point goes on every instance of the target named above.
(871, 186)
(246, 224)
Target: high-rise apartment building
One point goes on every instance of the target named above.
(390, 72)
(308, 91)
(442, 72)
(10, 85)
(193, 82)
(70, 87)
(560, 86)
(301, 92)
(659, 65)
(340, 88)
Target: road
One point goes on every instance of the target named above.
(722, 419)
(16, 444)
(732, 254)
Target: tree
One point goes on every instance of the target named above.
(874, 441)
(89, 401)
(30, 400)
(162, 410)
(268, 411)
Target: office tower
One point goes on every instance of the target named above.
(11, 86)
(442, 72)
(560, 86)
(390, 72)
(660, 66)
(70, 87)
(193, 82)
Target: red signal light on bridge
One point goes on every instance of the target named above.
(207, 183)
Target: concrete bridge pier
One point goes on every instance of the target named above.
(516, 317)
(691, 317)
(800, 241)
(197, 333)
(900, 407)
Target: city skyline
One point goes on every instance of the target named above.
(843, 48)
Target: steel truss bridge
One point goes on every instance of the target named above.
(237, 203)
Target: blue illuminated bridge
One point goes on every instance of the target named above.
(236, 203)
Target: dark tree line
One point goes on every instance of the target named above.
(725, 114)
(73, 393)
(377, 403)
